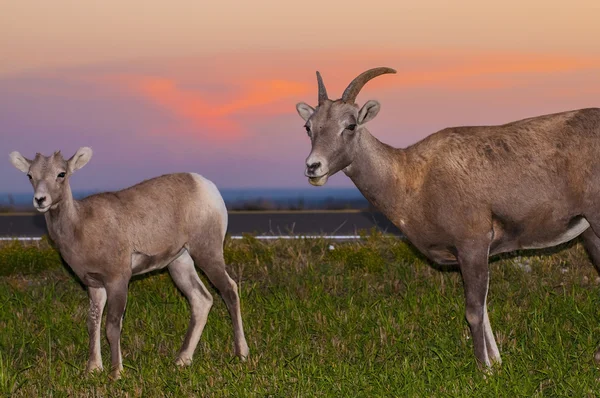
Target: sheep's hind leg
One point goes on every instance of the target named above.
(591, 242)
(213, 265)
(186, 279)
(116, 301)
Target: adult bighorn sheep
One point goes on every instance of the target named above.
(173, 221)
(466, 193)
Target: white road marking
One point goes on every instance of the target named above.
(261, 237)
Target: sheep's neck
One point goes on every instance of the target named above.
(379, 172)
(62, 218)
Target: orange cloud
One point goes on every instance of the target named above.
(233, 94)
(210, 119)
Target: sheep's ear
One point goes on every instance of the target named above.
(368, 112)
(20, 161)
(80, 159)
(304, 110)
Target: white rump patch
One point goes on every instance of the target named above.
(211, 194)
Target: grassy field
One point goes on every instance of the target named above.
(366, 319)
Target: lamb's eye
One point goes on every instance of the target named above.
(351, 127)
(61, 175)
(29, 176)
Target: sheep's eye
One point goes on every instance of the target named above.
(307, 130)
(351, 127)
(61, 175)
(29, 176)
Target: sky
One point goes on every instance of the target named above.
(210, 87)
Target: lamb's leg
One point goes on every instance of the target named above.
(473, 261)
(97, 301)
(591, 242)
(213, 266)
(116, 301)
(186, 278)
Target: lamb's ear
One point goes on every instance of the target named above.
(20, 161)
(80, 159)
(304, 110)
(368, 112)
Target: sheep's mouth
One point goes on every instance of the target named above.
(43, 209)
(318, 181)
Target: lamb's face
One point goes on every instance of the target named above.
(49, 175)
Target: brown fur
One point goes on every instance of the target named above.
(174, 220)
(465, 193)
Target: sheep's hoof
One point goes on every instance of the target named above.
(488, 371)
(115, 374)
(93, 367)
(491, 369)
(485, 367)
(181, 361)
(243, 352)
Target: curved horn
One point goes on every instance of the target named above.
(357, 84)
(322, 90)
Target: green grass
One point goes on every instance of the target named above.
(367, 319)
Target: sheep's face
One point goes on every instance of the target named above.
(334, 128)
(49, 175)
(334, 134)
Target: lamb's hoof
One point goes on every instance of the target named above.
(485, 368)
(242, 353)
(183, 361)
(597, 357)
(115, 374)
(93, 368)
(486, 371)
(491, 369)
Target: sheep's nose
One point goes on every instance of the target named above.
(311, 168)
(40, 200)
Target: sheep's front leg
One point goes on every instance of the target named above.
(473, 261)
(116, 302)
(97, 301)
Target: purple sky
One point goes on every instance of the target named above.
(221, 101)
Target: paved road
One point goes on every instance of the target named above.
(276, 223)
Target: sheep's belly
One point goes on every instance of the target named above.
(142, 263)
(571, 233)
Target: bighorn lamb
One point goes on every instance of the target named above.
(466, 193)
(173, 221)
